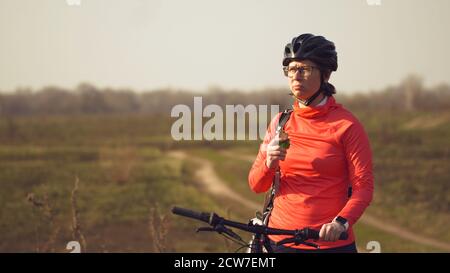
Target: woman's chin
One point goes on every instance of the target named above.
(298, 94)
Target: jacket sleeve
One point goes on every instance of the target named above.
(260, 176)
(359, 164)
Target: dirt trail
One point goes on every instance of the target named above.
(214, 184)
(427, 122)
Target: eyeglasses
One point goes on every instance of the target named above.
(305, 70)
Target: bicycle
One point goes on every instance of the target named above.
(258, 244)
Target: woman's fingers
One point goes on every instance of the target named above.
(274, 152)
(274, 141)
(277, 154)
(276, 148)
(329, 232)
(322, 232)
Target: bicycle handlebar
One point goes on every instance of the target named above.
(202, 216)
(214, 220)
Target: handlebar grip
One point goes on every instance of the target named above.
(312, 234)
(202, 216)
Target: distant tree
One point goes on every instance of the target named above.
(54, 100)
(122, 101)
(91, 99)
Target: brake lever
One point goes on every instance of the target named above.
(230, 233)
(311, 244)
(296, 241)
(285, 241)
(221, 229)
(205, 229)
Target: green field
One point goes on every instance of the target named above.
(128, 183)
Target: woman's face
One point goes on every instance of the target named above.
(303, 84)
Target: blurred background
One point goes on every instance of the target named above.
(86, 93)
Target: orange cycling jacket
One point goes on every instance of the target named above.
(329, 151)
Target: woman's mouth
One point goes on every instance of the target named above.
(297, 87)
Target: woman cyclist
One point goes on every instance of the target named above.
(329, 152)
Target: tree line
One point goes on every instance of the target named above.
(409, 95)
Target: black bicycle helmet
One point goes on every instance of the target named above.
(318, 50)
(314, 48)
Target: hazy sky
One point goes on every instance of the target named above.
(195, 44)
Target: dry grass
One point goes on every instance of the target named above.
(43, 205)
(158, 227)
(45, 208)
(77, 233)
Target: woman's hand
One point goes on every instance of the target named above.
(274, 153)
(331, 231)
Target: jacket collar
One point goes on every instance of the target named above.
(316, 111)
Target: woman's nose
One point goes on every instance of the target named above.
(297, 75)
